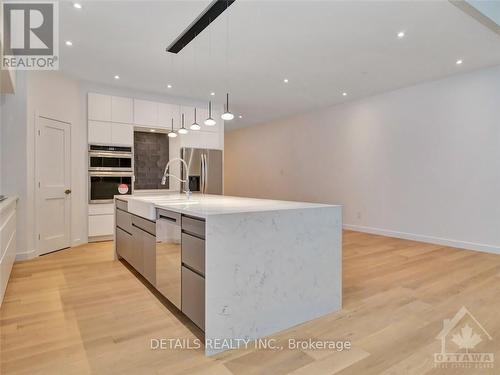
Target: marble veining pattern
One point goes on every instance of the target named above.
(268, 271)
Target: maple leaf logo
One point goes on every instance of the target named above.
(466, 339)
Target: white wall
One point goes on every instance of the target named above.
(52, 95)
(421, 162)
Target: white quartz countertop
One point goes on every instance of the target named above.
(202, 205)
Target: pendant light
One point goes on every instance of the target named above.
(210, 121)
(171, 133)
(195, 125)
(183, 130)
(227, 116)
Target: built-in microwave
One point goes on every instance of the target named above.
(104, 185)
(106, 158)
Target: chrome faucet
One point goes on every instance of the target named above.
(186, 181)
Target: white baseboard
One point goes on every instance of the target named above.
(101, 238)
(77, 242)
(423, 238)
(25, 255)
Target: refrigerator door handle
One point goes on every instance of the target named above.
(206, 172)
(202, 188)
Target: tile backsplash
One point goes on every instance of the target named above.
(150, 158)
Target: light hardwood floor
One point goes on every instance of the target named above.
(79, 312)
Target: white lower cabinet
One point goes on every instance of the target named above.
(7, 241)
(101, 220)
(101, 225)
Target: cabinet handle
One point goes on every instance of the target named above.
(174, 220)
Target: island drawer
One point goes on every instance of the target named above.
(193, 253)
(145, 225)
(174, 217)
(122, 205)
(193, 297)
(124, 244)
(194, 226)
(124, 220)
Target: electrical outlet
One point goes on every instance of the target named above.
(359, 215)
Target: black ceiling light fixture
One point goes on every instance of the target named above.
(214, 10)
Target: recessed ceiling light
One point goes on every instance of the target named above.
(152, 130)
(459, 62)
(344, 94)
(117, 77)
(240, 116)
(69, 43)
(401, 34)
(212, 93)
(77, 5)
(285, 80)
(169, 86)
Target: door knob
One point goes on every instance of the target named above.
(67, 191)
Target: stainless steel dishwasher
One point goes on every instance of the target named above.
(168, 255)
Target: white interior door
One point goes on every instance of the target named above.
(53, 184)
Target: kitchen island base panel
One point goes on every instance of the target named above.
(269, 271)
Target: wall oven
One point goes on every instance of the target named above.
(105, 158)
(110, 172)
(103, 186)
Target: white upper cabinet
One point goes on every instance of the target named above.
(122, 110)
(99, 132)
(145, 112)
(110, 133)
(176, 115)
(200, 139)
(167, 112)
(122, 134)
(111, 121)
(164, 115)
(99, 107)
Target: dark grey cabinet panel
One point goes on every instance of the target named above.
(193, 297)
(121, 205)
(149, 256)
(123, 244)
(193, 226)
(137, 257)
(145, 225)
(193, 252)
(174, 265)
(124, 220)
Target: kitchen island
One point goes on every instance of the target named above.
(246, 268)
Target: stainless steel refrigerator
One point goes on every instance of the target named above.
(205, 169)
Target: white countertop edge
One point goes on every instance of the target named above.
(201, 215)
(205, 206)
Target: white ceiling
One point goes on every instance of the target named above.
(323, 47)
